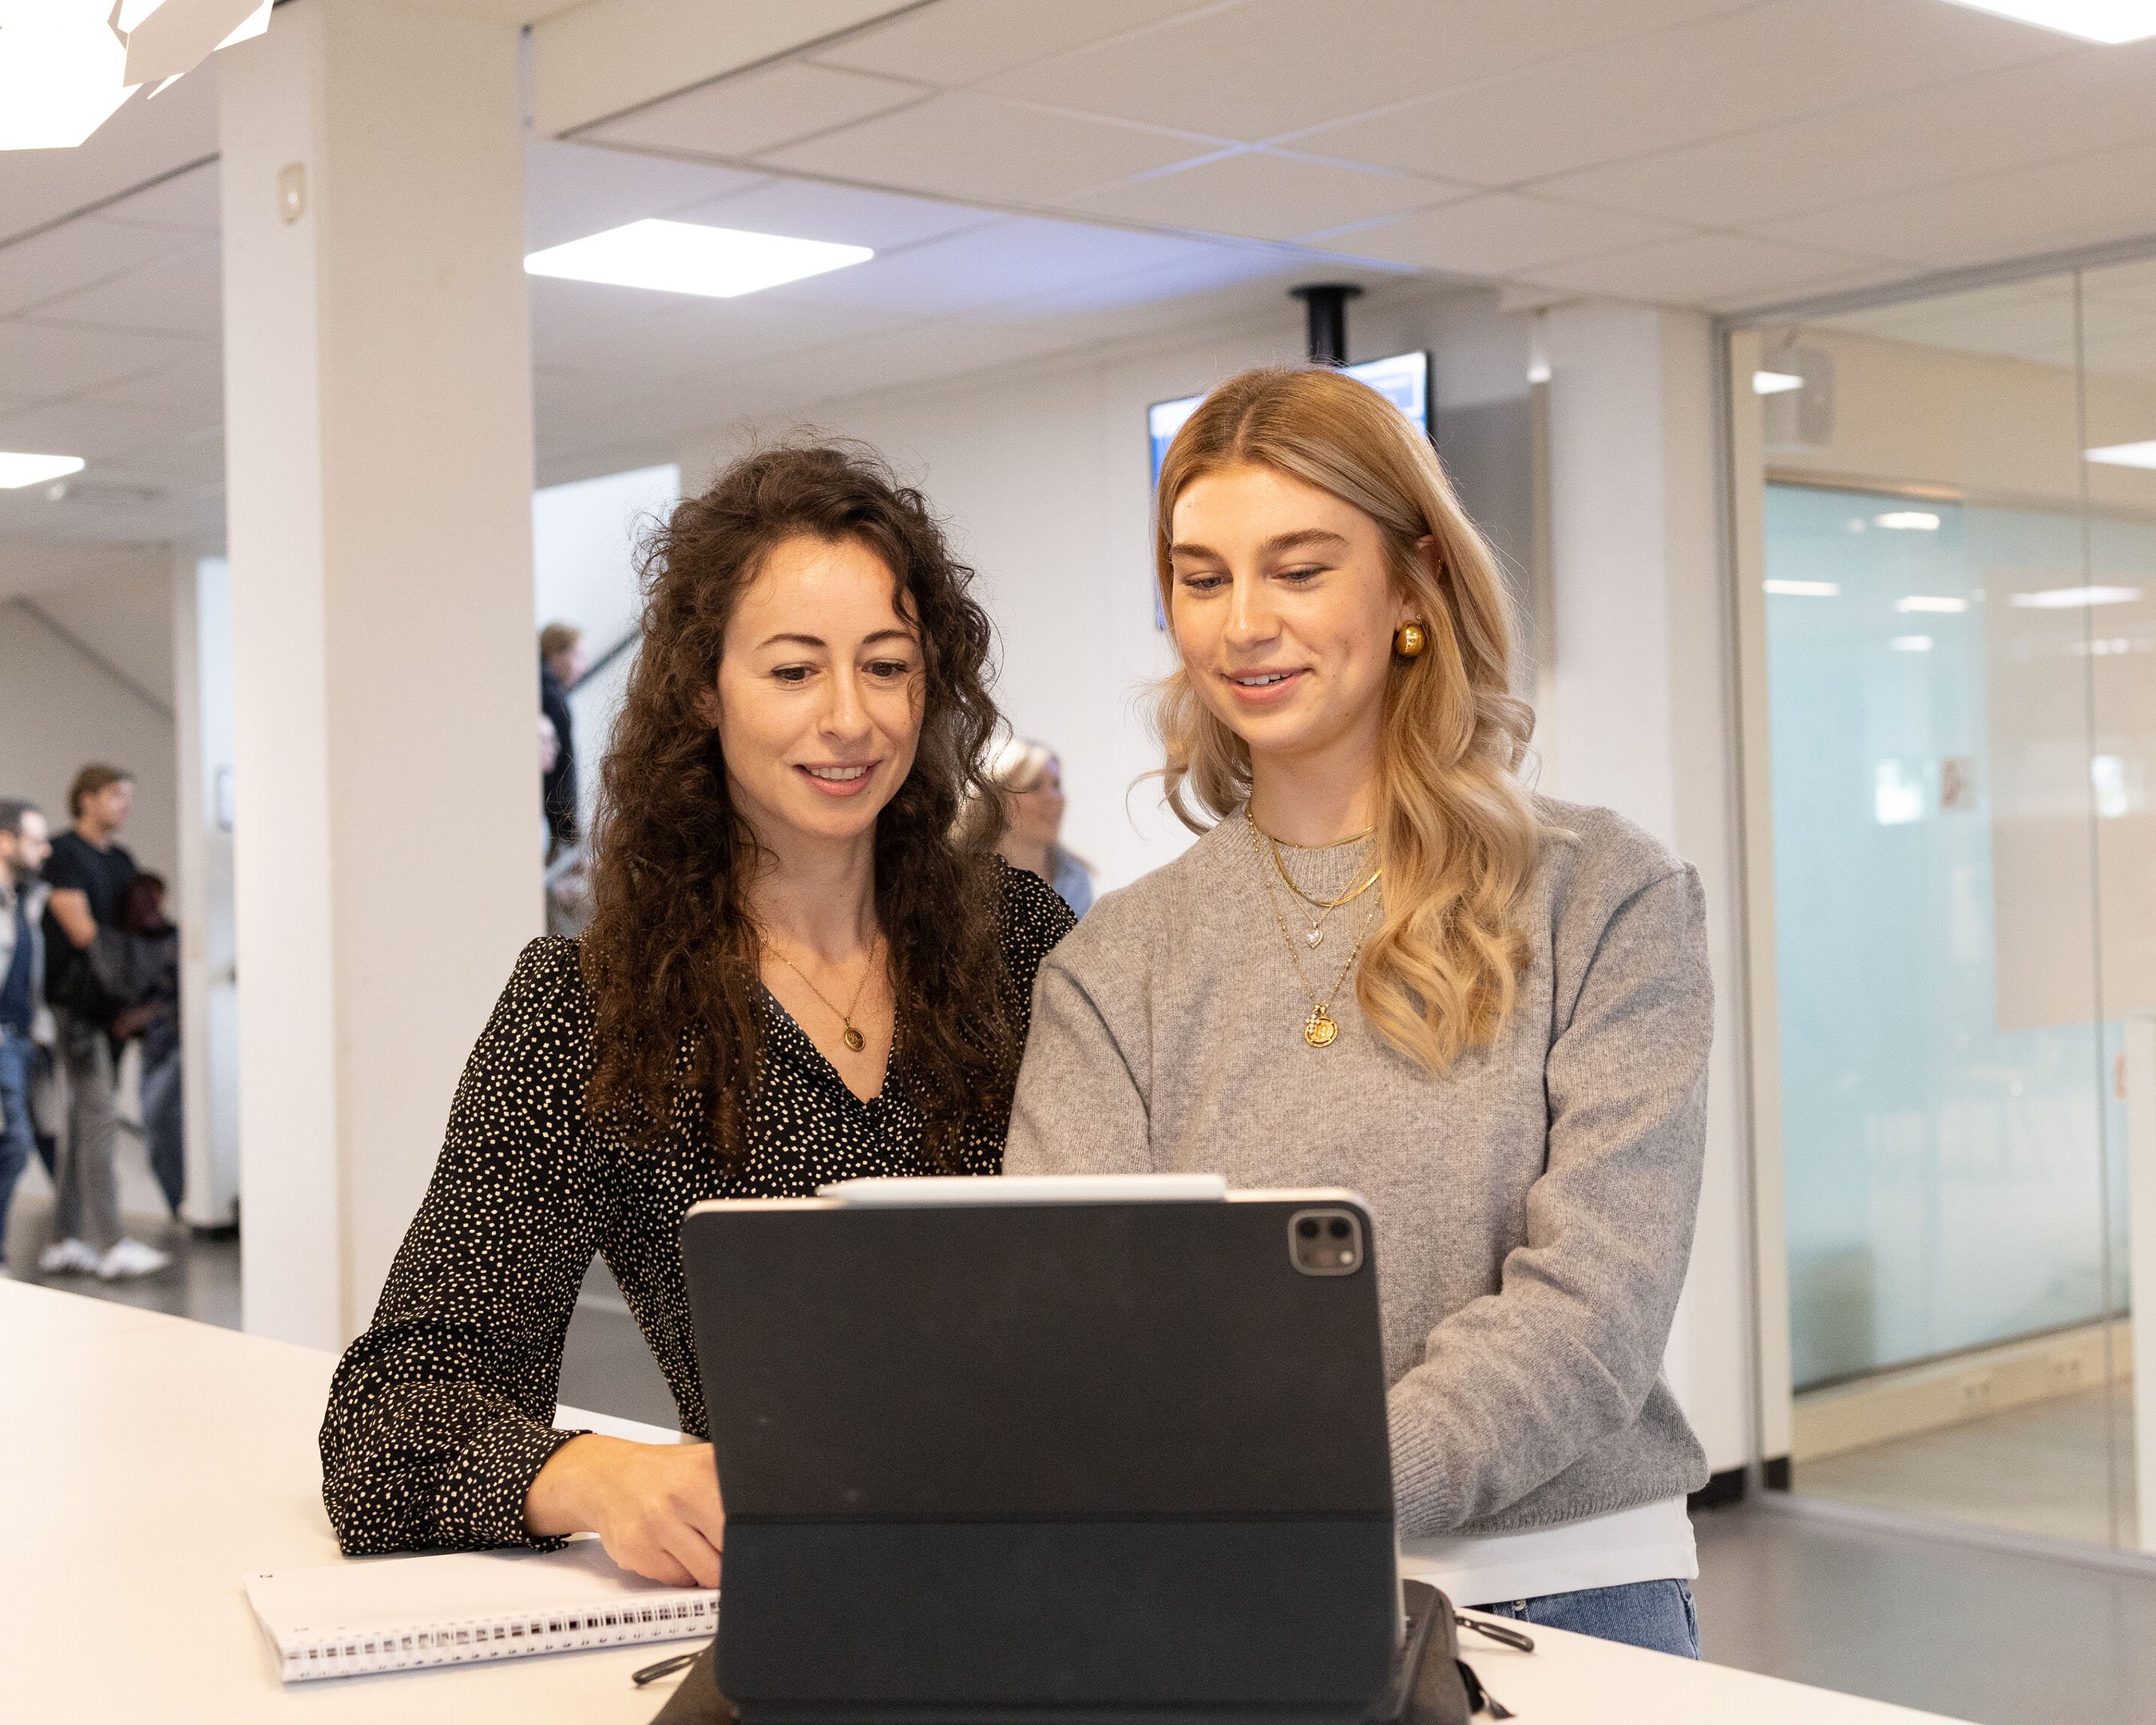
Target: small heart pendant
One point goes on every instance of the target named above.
(1314, 937)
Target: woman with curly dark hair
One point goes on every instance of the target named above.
(796, 974)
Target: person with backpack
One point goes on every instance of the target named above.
(90, 873)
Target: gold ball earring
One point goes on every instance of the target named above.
(1409, 640)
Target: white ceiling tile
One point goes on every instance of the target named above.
(1719, 74)
(75, 255)
(1270, 67)
(172, 466)
(2127, 353)
(1264, 196)
(2033, 319)
(2001, 120)
(495, 12)
(105, 429)
(573, 410)
(1699, 268)
(2081, 200)
(1853, 278)
(931, 350)
(193, 378)
(2122, 284)
(955, 41)
(586, 326)
(745, 116)
(570, 190)
(181, 294)
(1104, 306)
(2033, 329)
(142, 140)
(819, 209)
(1499, 233)
(40, 360)
(189, 201)
(102, 511)
(964, 145)
(1015, 258)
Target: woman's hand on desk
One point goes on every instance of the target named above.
(655, 1506)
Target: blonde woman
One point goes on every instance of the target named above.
(1387, 965)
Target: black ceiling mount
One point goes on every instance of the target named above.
(1326, 304)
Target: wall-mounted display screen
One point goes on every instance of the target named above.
(1402, 378)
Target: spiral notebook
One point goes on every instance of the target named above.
(397, 1613)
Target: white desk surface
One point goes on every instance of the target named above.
(150, 1461)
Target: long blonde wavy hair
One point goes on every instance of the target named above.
(1457, 834)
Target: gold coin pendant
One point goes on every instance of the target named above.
(853, 1040)
(1320, 1028)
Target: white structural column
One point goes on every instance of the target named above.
(379, 424)
(1640, 708)
(202, 728)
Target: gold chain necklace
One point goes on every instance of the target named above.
(1324, 907)
(1320, 1027)
(852, 1038)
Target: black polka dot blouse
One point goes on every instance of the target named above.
(442, 1415)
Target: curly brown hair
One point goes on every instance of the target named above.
(672, 953)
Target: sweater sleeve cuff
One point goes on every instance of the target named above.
(482, 1500)
(1424, 1500)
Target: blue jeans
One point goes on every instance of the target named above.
(18, 1057)
(164, 1128)
(1654, 1614)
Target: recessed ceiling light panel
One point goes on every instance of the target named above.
(2072, 598)
(2110, 21)
(2125, 455)
(688, 258)
(18, 470)
(60, 70)
(1775, 382)
(1802, 589)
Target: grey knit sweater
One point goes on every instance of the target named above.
(1534, 1210)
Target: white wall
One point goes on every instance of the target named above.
(1644, 715)
(62, 705)
(202, 904)
(1045, 475)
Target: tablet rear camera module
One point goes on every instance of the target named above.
(1327, 1242)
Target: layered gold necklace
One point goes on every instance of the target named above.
(1320, 1028)
(1324, 906)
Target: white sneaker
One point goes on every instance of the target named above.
(132, 1258)
(69, 1257)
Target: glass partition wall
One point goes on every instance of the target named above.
(1945, 526)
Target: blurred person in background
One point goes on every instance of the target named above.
(1031, 779)
(89, 873)
(567, 879)
(25, 1025)
(561, 663)
(145, 966)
